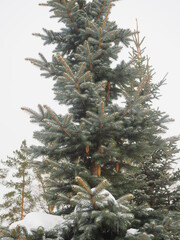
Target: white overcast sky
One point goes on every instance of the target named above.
(21, 84)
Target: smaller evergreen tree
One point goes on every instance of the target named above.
(159, 188)
(3, 174)
(21, 233)
(18, 199)
(40, 194)
(18, 233)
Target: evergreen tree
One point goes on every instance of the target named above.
(98, 139)
(41, 194)
(3, 174)
(159, 182)
(18, 200)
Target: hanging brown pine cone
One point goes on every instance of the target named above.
(117, 167)
(87, 149)
(99, 170)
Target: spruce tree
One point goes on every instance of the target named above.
(99, 139)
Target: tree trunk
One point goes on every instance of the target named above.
(93, 169)
(22, 197)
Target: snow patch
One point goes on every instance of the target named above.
(132, 231)
(107, 194)
(149, 209)
(34, 220)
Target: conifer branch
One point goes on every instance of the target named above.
(43, 4)
(83, 65)
(107, 14)
(67, 133)
(138, 92)
(49, 124)
(90, 76)
(89, 54)
(22, 195)
(100, 187)
(127, 110)
(92, 115)
(32, 112)
(125, 95)
(137, 41)
(102, 114)
(168, 153)
(52, 162)
(101, 85)
(86, 121)
(92, 25)
(78, 188)
(68, 77)
(99, 38)
(41, 110)
(64, 2)
(78, 88)
(108, 90)
(82, 182)
(65, 120)
(64, 197)
(35, 62)
(5, 233)
(102, 108)
(149, 76)
(57, 121)
(93, 201)
(87, 74)
(53, 115)
(69, 14)
(65, 65)
(127, 197)
(141, 86)
(102, 7)
(72, 80)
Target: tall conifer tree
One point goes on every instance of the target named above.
(98, 139)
